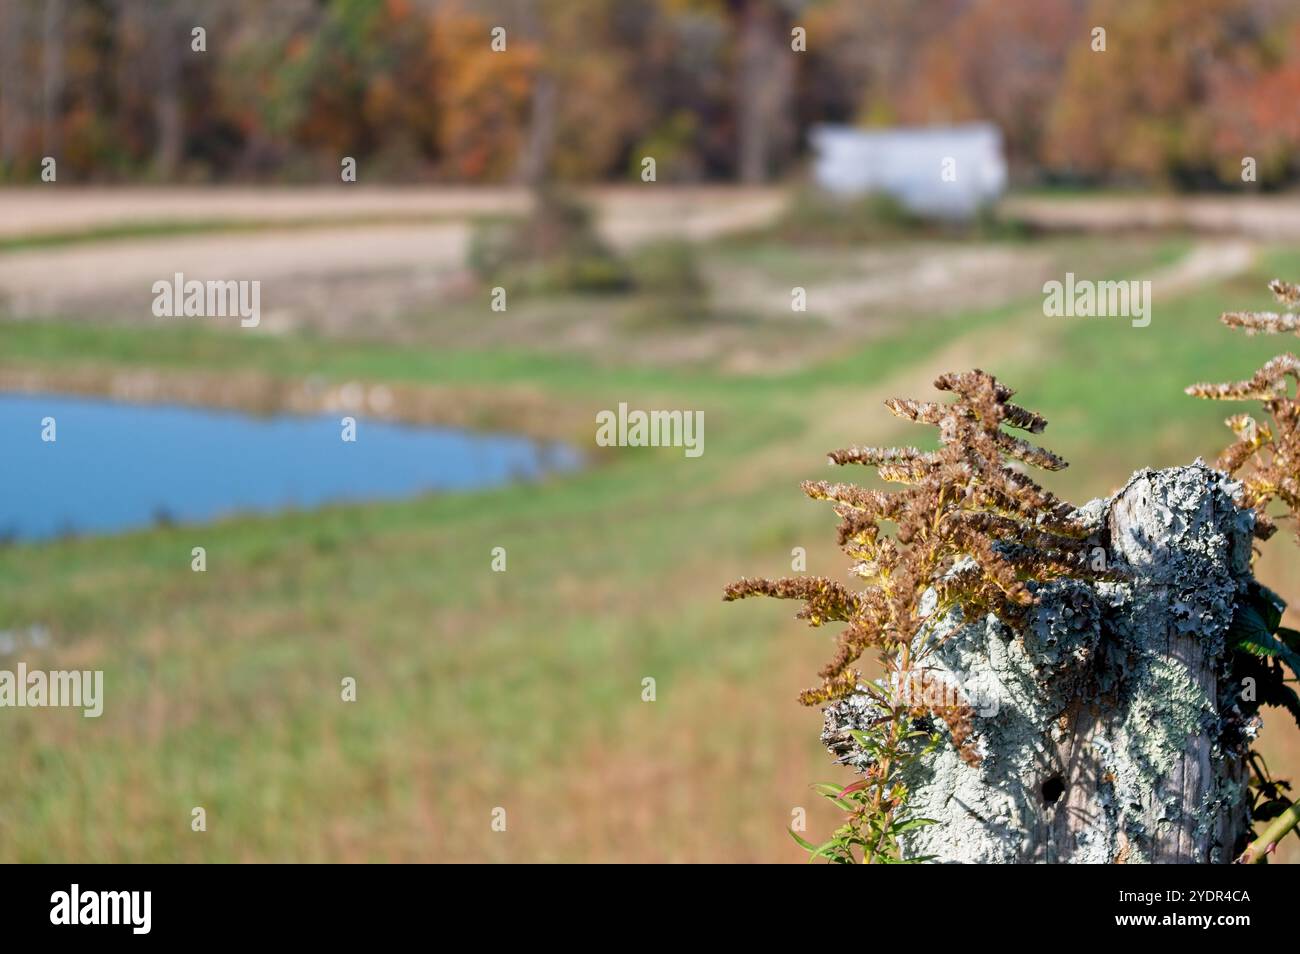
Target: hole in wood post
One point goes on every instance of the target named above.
(1052, 789)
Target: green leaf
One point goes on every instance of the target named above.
(823, 850)
(1290, 638)
(803, 843)
(1286, 698)
(1268, 604)
(1269, 810)
(1251, 633)
(869, 745)
(832, 793)
(911, 824)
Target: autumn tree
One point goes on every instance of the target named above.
(1132, 110)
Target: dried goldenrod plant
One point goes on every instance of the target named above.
(1271, 447)
(968, 531)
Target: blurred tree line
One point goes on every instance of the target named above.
(413, 90)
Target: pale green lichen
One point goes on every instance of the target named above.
(1120, 677)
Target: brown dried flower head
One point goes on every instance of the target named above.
(1271, 447)
(967, 526)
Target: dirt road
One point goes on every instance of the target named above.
(409, 241)
(629, 211)
(1267, 218)
(332, 256)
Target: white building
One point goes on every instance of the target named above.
(941, 171)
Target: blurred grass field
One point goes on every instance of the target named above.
(523, 689)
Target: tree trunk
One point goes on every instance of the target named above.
(539, 138)
(1107, 724)
(52, 74)
(764, 90)
(169, 39)
(13, 111)
(535, 161)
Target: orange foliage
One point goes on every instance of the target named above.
(482, 96)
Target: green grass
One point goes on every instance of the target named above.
(519, 689)
(450, 658)
(1114, 393)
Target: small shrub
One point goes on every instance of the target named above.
(666, 273)
(555, 249)
(666, 267)
(814, 216)
(817, 217)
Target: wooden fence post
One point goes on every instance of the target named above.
(1107, 723)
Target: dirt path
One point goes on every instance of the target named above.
(1257, 217)
(66, 209)
(307, 263)
(629, 212)
(62, 208)
(68, 278)
(840, 414)
(397, 245)
(1206, 262)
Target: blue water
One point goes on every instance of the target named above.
(118, 466)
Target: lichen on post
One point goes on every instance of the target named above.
(1107, 721)
(1057, 684)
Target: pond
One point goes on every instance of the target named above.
(116, 466)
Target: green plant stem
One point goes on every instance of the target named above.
(1258, 851)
